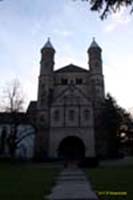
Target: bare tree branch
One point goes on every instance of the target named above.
(13, 98)
(105, 7)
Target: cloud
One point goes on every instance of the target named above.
(118, 19)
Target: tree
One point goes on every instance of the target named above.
(113, 118)
(13, 98)
(12, 105)
(108, 6)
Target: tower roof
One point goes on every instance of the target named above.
(48, 45)
(94, 44)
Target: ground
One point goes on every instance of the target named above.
(112, 183)
(26, 182)
(33, 181)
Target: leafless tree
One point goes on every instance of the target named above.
(12, 97)
(12, 104)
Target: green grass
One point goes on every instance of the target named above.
(33, 182)
(26, 182)
(115, 179)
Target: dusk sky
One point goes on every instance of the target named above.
(25, 26)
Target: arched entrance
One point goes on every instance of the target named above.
(71, 148)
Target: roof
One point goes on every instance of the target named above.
(71, 68)
(94, 44)
(32, 107)
(48, 45)
(8, 118)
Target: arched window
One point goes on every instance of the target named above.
(71, 115)
(56, 115)
(42, 118)
(64, 81)
(79, 81)
(86, 114)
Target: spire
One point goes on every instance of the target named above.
(48, 45)
(94, 44)
(47, 58)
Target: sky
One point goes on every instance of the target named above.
(25, 26)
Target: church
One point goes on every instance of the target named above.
(69, 102)
(68, 107)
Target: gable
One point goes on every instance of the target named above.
(71, 95)
(71, 68)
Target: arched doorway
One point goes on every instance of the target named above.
(71, 148)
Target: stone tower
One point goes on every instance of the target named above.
(46, 75)
(98, 92)
(96, 71)
(44, 94)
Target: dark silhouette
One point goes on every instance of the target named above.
(113, 118)
(108, 6)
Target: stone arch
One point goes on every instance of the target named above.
(71, 147)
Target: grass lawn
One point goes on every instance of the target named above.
(112, 179)
(26, 182)
(32, 182)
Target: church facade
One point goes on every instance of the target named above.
(68, 107)
(69, 103)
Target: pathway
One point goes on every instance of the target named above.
(72, 184)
